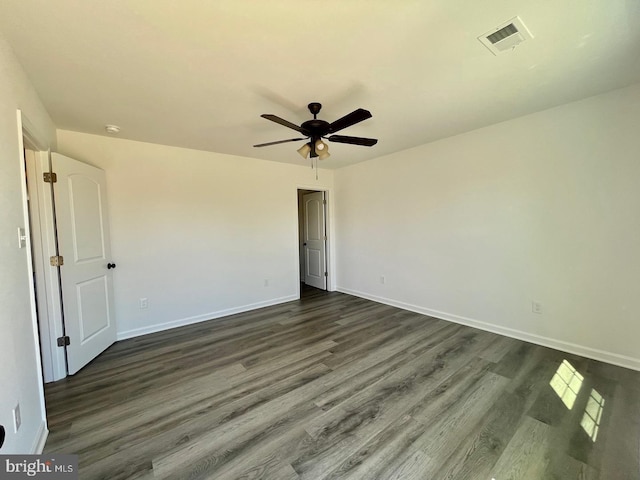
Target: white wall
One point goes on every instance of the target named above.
(474, 228)
(197, 233)
(20, 380)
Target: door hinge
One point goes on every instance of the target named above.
(324, 202)
(326, 274)
(64, 341)
(50, 177)
(56, 261)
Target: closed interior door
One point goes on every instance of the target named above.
(86, 275)
(314, 240)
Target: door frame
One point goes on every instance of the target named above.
(329, 244)
(28, 136)
(39, 221)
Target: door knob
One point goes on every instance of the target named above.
(111, 265)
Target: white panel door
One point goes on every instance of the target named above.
(83, 242)
(314, 240)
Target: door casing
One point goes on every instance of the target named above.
(29, 137)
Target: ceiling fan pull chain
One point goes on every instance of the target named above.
(316, 158)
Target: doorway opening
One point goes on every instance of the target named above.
(40, 241)
(312, 239)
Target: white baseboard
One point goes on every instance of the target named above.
(595, 354)
(137, 332)
(41, 439)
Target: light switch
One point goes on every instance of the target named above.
(22, 238)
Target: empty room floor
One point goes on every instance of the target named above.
(338, 387)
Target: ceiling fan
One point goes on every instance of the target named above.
(315, 130)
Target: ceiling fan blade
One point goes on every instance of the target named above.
(279, 141)
(284, 122)
(350, 119)
(366, 142)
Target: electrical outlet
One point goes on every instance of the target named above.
(382, 279)
(17, 420)
(536, 307)
(144, 303)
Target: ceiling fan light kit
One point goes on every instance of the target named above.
(304, 150)
(315, 130)
(324, 154)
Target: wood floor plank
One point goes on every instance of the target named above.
(377, 371)
(350, 348)
(463, 407)
(276, 409)
(483, 444)
(364, 415)
(270, 457)
(190, 423)
(338, 387)
(526, 455)
(374, 456)
(500, 347)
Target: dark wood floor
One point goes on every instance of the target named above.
(337, 387)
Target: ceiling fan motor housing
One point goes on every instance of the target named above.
(316, 128)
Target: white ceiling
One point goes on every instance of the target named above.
(198, 73)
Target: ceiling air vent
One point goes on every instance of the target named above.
(506, 37)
